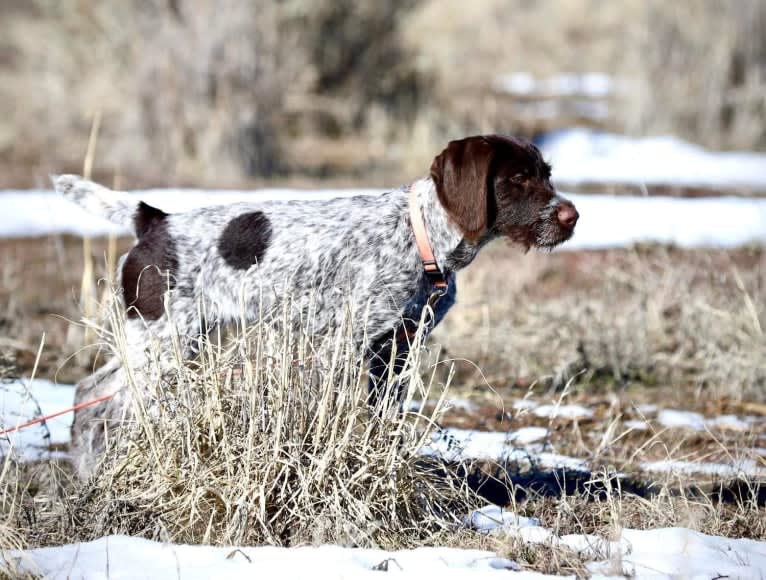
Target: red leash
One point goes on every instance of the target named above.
(57, 413)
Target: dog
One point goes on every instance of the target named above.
(393, 253)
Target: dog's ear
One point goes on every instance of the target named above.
(461, 175)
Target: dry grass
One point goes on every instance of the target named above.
(606, 509)
(193, 92)
(265, 439)
(11, 537)
(684, 322)
(258, 443)
(647, 317)
(636, 41)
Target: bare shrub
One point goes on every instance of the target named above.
(698, 68)
(644, 317)
(203, 91)
(695, 68)
(267, 438)
(184, 88)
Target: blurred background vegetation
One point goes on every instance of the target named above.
(241, 93)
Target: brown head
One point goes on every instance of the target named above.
(493, 186)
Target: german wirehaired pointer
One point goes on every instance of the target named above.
(388, 252)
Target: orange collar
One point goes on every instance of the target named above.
(426, 251)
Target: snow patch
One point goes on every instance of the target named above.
(619, 221)
(594, 85)
(659, 553)
(462, 404)
(552, 411)
(672, 418)
(587, 156)
(19, 400)
(527, 435)
(724, 470)
(469, 445)
(731, 423)
(524, 404)
(491, 518)
(562, 411)
(706, 222)
(647, 409)
(684, 553)
(126, 557)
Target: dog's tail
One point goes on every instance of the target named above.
(116, 206)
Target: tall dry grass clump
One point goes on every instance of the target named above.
(11, 536)
(648, 317)
(267, 439)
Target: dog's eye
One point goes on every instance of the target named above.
(520, 176)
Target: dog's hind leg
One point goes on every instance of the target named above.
(91, 425)
(146, 353)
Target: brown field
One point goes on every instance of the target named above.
(625, 334)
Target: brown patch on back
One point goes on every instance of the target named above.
(245, 239)
(147, 217)
(149, 270)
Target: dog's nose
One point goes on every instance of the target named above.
(567, 215)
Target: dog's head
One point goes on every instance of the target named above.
(500, 186)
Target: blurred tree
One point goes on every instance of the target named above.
(358, 54)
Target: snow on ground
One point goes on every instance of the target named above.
(660, 553)
(647, 408)
(673, 418)
(118, 557)
(522, 84)
(552, 411)
(492, 517)
(23, 400)
(527, 435)
(740, 467)
(605, 221)
(524, 404)
(613, 222)
(683, 553)
(524, 447)
(555, 411)
(467, 444)
(587, 156)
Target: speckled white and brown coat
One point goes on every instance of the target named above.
(244, 259)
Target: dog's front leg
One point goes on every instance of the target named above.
(387, 357)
